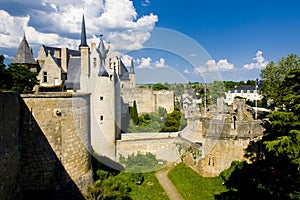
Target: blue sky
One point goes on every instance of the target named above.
(231, 40)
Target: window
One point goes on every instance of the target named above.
(45, 79)
(101, 98)
(101, 117)
(95, 62)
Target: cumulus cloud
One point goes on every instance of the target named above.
(53, 22)
(145, 2)
(144, 63)
(186, 71)
(147, 63)
(126, 59)
(213, 66)
(160, 63)
(259, 62)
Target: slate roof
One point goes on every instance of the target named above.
(124, 75)
(24, 54)
(83, 34)
(245, 88)
(73, 78)
(132, 67)
(52, 49)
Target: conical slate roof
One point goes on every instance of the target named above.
(131, 67)
(24, 54)
(83, 34)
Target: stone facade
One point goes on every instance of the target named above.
(148, 100)
(47, 152)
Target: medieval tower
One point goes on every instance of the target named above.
(99, 76)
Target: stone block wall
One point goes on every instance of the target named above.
(55, 145)
(9, 145)
(148, 100)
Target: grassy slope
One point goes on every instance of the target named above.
(194, 187)
(150, 189)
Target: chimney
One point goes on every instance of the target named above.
(64, 59)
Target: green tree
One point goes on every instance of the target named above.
(159, 86)
(215, 91)
(4, 75)
(140, 162)
(173, 122)
(22, 79)
(134, 113)
(273, 76)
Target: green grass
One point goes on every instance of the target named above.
(149, 189)
(194, 187)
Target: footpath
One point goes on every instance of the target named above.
(170, 189)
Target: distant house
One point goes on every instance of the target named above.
(247, 92)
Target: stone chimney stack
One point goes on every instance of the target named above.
(64, 59)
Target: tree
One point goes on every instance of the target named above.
(4, 75)
(134, 113)
(140, 162)
(16, 77)
(216, 90)
(22, 79)
(273, 76)
(159, 86)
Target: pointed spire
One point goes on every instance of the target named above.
(101, 49)
(131, 67)
(83, 34)
(24, 54)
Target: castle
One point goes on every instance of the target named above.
(80, 107)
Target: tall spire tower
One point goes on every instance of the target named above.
(85, 58)
(132, 75)
(83, 34)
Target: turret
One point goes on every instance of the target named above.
(85, 59)
(132, 75)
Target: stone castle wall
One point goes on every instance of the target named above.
(162, 145)
(218, 141)
(56, 144)
(10, 145)
(148, 100)
(45, 145)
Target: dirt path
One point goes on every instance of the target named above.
(170, 189)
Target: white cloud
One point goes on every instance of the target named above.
(213, 66)
(53, 22)
(147, 63)
(259, 62)
(126, 59)
(145, 2)
(160, 63)
(186, 71)
(144, 63)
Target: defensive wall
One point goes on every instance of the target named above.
(10, 153)
(49, 153)
(210, 145)
(148, 100)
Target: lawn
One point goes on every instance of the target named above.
(192, 186)
(150, 189)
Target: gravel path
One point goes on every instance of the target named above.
(170, 189)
